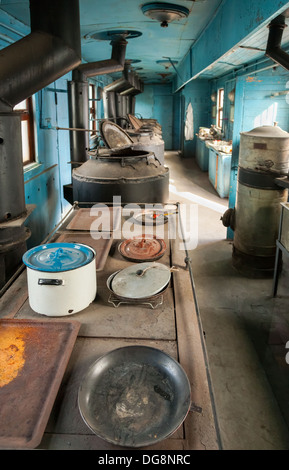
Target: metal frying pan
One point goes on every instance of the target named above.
(134, 396)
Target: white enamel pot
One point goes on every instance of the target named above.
(61, 278)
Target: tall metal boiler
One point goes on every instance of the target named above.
(264, 156)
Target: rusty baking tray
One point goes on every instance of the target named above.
(33, 358)
(101, 246)
(96, 219)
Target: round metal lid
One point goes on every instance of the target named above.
(58, 257)
(151, 217)
(142, 248)
(135, 122)
(141, 281)
(268, 132)
(114, 136)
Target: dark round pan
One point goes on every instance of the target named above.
(134, 396)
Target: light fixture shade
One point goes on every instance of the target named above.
(167, 63)
(165, 12)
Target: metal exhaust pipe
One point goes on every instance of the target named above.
(78, 97)
(52, 48)
(274, 50)
(103, 67)
(48, 52)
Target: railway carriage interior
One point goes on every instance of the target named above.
(170, 116)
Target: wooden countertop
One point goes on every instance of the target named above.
(174, 327)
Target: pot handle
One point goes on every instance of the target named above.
(50, 282)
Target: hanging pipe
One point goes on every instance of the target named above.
(48, 52)
(274, 50)
(78, 96)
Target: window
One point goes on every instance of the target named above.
(27, 130)
(220, 107)
(92, 108)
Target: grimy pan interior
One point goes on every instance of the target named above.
(134, 396)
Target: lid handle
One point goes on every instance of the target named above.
(57, 257)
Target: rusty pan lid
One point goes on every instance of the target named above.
(142, 248)
(114, 136)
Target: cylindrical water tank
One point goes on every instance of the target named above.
(264, 155)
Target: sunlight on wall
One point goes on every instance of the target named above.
(267, 117)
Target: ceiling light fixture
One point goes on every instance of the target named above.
(165, 13)
(113, 34)
(167, 63)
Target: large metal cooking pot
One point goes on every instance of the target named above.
(134, 396)
(61, 278)
(136, 176)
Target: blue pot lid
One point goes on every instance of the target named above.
(58, 257)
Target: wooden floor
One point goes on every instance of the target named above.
(173, 327)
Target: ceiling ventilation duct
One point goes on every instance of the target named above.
(129, 83)
(48, 52)
(164, 12)
(274, 50)
(78, 88)
(119, 96)
(78, 97)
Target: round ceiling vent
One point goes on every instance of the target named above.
(114, 34)
(165, 13)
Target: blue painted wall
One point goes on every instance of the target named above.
(228, 110)
(45, 179)
(261, 106)
(156, 102)
(196, 92)
(233, 21)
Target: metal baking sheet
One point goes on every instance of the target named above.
(96, 219)
(33, 358)
(101, 245)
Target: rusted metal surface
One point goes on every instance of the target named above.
(114, 136)
(100, 245)
(135, 122)
(96, 219)
(142, 248)
(33, 359)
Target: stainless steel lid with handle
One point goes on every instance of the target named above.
(141, 280)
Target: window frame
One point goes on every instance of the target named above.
(220, 107)
(92, 108)
(27, 114)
